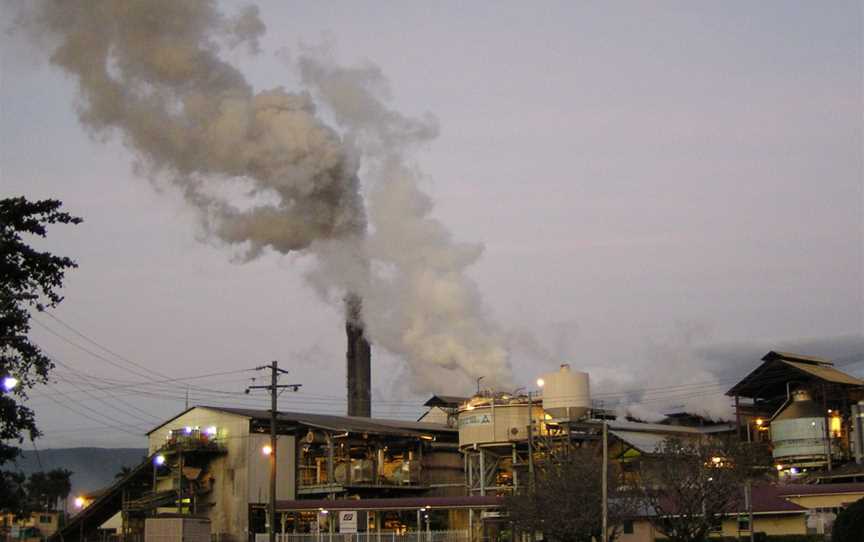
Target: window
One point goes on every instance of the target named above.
(628, 526)
(44, 519)
(743, 523)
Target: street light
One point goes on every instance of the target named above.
(9, 383)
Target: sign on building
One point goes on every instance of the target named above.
(348, 521)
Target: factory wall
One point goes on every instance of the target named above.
(241, 475)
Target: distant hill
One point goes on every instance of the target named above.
(92, 468)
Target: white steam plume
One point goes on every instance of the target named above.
(150, 71)
(418, 301)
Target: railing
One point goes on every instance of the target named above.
(383, 536)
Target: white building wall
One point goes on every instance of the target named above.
(241, 476)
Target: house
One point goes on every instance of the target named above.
(793, 509)
(39, 525)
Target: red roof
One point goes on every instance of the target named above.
(767, 499)
(404, 503)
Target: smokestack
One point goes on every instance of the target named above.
(359, 358)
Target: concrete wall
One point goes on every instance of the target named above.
(259, 468)
(776, 524)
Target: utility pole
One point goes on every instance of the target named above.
(273, 388)
(605, 481)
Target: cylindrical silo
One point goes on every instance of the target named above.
(798, 430)
(566, 393)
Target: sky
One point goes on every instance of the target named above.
(663, 193)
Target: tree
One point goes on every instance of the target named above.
(689, 486)
(849, 525)
(13, 493)
(29, 280)
(565, 502)
(46, 489)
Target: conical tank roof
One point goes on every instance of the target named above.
(801, 406)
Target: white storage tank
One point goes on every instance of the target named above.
(566, 393)
(484, 421)
(798, 430)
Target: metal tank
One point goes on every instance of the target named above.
(798, 429)
(494, 420)
(566, 393)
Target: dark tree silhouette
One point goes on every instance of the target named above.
(849, 525)
(565, 503)
(689, 486)
(46, 489)
(29, 280)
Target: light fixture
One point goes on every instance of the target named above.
(540, 382)
(779, 468)
(187, 430)
(759, 422)
(9, 383)
(266, 449)
(159, 460)
(211, 431)
(79, 502)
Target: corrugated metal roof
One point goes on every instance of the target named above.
(647, 443)
(450, 401)
(625, 425)
(351, 424)
(769, 379)
(791, 356)
(826, 372)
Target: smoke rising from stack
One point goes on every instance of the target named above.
(150, 73)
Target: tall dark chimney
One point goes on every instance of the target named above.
(359, 358)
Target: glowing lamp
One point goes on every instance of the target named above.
(211, 431)
(836, 425)
(266, 449)
(779, 468)
(159, 460)
(187, 430)
(9, 383)
(79, 502)
(759, 422)
(540, 382)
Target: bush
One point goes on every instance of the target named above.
(849, 523)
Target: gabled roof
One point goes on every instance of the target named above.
(769, 499)
(777, 368)
(350, 424)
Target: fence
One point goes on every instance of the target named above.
(384, 536)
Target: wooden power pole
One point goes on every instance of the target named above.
(273, 388)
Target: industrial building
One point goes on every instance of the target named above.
(450, 472)
(808, 411)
